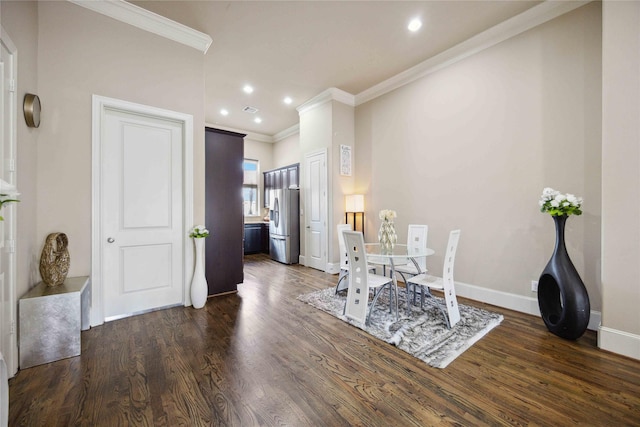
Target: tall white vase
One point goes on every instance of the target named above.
(199, 281)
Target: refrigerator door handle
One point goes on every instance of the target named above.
(278, 237)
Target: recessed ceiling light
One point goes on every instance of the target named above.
(257, 120)
(247, 89)
(415, 24)
(288, 100)
(224, 112)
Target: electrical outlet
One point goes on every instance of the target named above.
(534, 286)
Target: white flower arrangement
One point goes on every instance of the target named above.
(198, 232)
(557, 204)
(387, 215)
(8, 194)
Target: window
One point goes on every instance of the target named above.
(250, 187)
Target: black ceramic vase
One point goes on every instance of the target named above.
(562, 296)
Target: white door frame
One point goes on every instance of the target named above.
(100, 104)
(9, 211)
(307, 186)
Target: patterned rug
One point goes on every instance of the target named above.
(423, 333)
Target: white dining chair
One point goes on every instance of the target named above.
(343, 279)
(361, 282)
(416, 243)
(344, 257)
(445, 283)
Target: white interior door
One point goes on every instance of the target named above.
(142, 218)
(8, 116)
(316, 210)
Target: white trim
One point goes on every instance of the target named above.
(286, 133)
(249, 135)
(522, 304)
(333, 268)
(531, 18)
(261, 137)
(331, 94)
(99, 105)
(324, 152)
(146, 20)
(11, 225)
(619, 342)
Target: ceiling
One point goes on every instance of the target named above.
(301, 48)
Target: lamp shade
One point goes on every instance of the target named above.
(354, 203)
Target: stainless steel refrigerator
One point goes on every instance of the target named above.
(284, 225)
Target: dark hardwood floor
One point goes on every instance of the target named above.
(260, 357)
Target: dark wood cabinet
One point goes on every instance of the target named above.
(292, 177)
(256, 238)
(224, 153)
(284, 177)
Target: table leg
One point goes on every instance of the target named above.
(395, 286)
(415, 263)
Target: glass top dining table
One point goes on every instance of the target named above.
(397, 256)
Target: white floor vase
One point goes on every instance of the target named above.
(199, 286)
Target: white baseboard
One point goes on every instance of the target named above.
(619, 342)
(513, 302)
(522, 304)
(333, 268)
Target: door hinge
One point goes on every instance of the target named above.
(12, 85)
(12, 328)
(10, 244)
(11, 165)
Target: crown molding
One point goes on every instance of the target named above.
(331, 94)
(260, 137)
(528, 19)
(286, 133)
(146, 20)
(249, 135)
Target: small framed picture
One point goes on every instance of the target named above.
(345, 160)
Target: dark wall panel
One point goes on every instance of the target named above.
(224, 152)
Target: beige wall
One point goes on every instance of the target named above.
(472, 145)
(287, 151)
(20, 21)
(315, 135)
(469, 146)
(343, 131)
(263, 153)
(327, 126)
(82, 53)
(620, 330)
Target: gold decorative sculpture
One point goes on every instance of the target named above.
(54, 262)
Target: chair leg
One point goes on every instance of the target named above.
(408, 286)
(376, 294)
(442, 309)
(344, 275)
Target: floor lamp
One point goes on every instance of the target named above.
(354, 205)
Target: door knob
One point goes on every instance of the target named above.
(111, 240)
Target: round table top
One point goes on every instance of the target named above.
(399, 254)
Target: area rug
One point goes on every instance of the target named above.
(422, 333)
